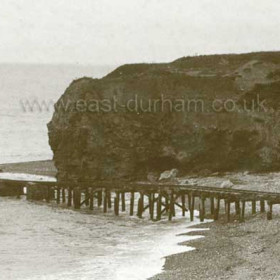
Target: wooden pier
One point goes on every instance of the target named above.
(157, 200)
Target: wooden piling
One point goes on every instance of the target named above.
(262, 206)
(171, 206)
(91, 197)
(254, 207)
(212, 205)
(63, 195)
(123, 201)
(217, 209)
(166, 204)
(131, 211)
(159, 203)
(58, 195)
(242, 217)
(174, 203)
(237, 208)
(183, 199)
(151, 205)
(109, 199)
(116, 203)
(140, 205)
(269, 213)
(105, 202)
(69, 197)
(77, 198)
(52, 193)
(189, 201)
(201, 208)
(192, 207)
(227, 203)
(99, 198)
(48, 194)
(86, 197)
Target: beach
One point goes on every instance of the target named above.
(248, 250)
(55, 242)
(229, 250)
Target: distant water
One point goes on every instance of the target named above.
(23, 135)
(44, 242)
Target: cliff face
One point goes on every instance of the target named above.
(214, 112)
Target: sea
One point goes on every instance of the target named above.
(43, 241)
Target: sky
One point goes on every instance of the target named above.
(113, 32)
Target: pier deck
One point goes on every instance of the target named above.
(158, 199)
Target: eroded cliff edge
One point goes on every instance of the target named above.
(114, 127)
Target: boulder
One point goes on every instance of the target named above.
(154, 117)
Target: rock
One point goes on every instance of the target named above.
(204, 173)
(184, 182)
(168, 175)
(35, 192)
(227, 184)
(152, 177)
(10, 188)
(96, 138)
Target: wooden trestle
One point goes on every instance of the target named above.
(158, 199)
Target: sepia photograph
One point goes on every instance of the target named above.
(139, 140)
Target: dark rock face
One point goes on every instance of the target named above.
(10, 188)
(114, 127)
(35, 192)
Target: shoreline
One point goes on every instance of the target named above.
(228, 250)
(42, 167)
